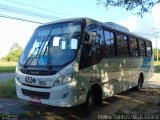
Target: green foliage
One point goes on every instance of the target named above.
(7, 88)
(157, 66)
(7, 67)
(142, 6)
(155, 54)
(14, 53)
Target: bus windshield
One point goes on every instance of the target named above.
(52, 45)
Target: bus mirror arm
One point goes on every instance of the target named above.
(90, 39)
(87, 42)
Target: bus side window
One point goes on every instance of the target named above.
(92, 54)
(97, 49)
(109, 49)
(133, 47)
(148, 48)
(122, 45)
(141, 47)
(100, 43)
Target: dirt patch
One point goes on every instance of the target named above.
(146, 101)
(11, 106)
(131, 104)
(140, 103)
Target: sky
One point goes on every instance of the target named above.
(12, 31)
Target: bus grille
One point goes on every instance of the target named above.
(35, 86)
(43, 95)
(38, 72)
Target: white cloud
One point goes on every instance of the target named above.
(138, 24)
(156, 14)
(145, 24)
(130, 23)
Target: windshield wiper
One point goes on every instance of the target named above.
(25, 65)
(31, 57)
(47, 47)
(39, 50)
(48, 60)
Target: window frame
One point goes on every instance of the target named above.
(140, 48)
(115, 51)
(134, 38)
(128, 47)
(150, 47)
(114, 41)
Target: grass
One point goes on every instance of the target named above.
(156, 63)
(157, 66)
(7, 88)
(7, 67)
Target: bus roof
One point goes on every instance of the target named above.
(109, 25)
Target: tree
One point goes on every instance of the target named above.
(155, 54)
(14, 53)
(141, 6)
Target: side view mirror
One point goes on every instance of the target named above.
(91, 38)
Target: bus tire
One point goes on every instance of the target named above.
(94, 97)
(89, 102)
(140, 82)
(97, 95)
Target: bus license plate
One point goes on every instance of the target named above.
(35, 100)
(32, 81)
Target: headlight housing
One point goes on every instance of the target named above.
(17, 68)
(16, 72)
(63, 80)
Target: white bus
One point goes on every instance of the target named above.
(76, 61)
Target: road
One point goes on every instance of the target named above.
(4, 76)
(154, 82)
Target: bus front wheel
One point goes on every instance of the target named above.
(87, 106)
(94, 96)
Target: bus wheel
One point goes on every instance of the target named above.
(140, 82)
(89, 102)
(94, 97)
(97, 95)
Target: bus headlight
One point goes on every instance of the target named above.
(17, 68)
(63, 80)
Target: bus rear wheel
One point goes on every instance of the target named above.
(140, 82)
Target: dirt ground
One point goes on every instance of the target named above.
(140, 104)
(131, 104)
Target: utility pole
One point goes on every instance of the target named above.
(157, 44)
(157, 47)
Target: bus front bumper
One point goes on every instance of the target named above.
(61, 96)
